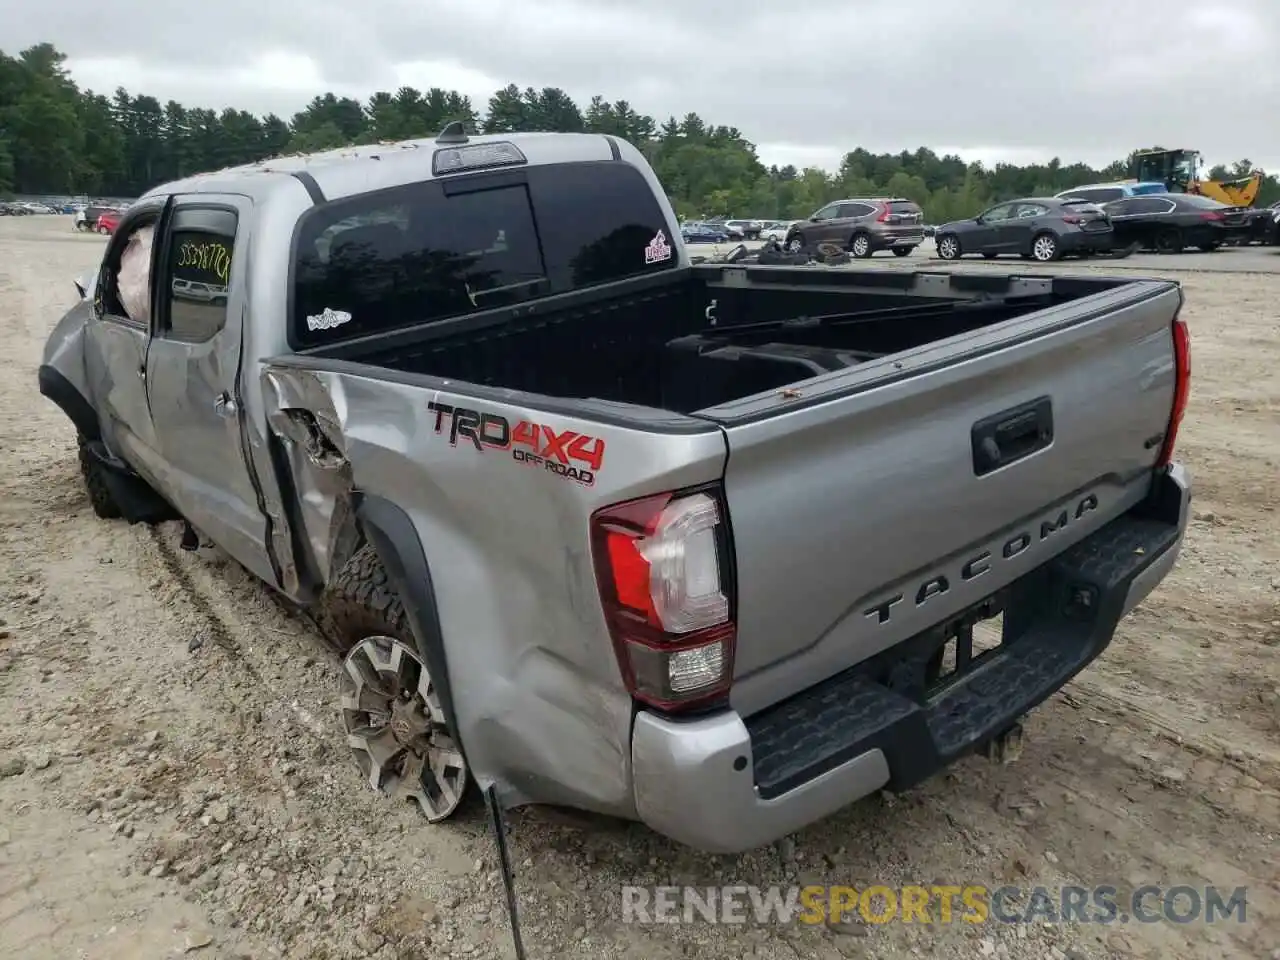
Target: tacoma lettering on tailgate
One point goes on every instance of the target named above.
(574, 456)
(982, 561)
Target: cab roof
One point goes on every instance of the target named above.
(348, 171)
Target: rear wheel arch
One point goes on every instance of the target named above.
(388, 531)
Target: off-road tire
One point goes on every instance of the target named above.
(95, 483)
(360, 602)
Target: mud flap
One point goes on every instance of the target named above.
(138, 503)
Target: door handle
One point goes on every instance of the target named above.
(142, 373)
(224, 406)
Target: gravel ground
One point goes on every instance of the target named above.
(172, 778)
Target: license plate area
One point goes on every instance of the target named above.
(926, 665)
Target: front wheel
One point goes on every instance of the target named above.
(1044, 248)
(796, 243)
(391, 707)
(902, 251)
(948, 247)
(860, 246)
(95, 484)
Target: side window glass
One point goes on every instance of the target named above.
(851, 210)
(197, 271)
(997, 213)
(126, 292)
(828, 212)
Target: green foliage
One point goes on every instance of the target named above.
(56, 138)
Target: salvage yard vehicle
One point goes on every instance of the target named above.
(1169, 223)
(862, 226)
(1037, 228)
(701, 546)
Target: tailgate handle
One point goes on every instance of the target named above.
(1011, 435)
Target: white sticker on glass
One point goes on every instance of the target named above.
(658, 249)
(328, 320)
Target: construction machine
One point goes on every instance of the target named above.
(1179, 170)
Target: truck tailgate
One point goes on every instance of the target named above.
(881, 501)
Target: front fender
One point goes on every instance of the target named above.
(62, 370)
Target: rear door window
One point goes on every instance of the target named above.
(440, 249)
(850, 211)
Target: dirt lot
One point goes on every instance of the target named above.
(172, 778)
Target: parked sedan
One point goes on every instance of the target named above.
(1037, 228)
(108, 222)
(703, 233)
(775, 230)
(1169, 223)
(747, 229)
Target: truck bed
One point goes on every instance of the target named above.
(711, 335)
(898, 448)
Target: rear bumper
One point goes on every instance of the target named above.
(725, 784)
(891, 241)
(1082, 240)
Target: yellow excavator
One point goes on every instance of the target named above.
(1179, 171)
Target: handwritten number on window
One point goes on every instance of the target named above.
(208, 256)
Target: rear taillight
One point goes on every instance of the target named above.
(1212, 215)
(1071, 218)
(1181, 388)
(663, 568)
(885, 216)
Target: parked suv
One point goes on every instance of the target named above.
(862, 226)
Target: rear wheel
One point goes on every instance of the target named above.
(1170, 241)
(391, 708)
(103, 230)
(1044, 248)
(902, 251)
(948, 247)
(860, 246)
(796, 243)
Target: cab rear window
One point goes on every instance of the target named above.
(447, 248)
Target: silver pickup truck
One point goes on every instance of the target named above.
(703, 546)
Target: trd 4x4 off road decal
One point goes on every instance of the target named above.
(574, 456)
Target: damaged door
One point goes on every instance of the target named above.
(193, 370)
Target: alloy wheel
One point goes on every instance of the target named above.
(396, 728)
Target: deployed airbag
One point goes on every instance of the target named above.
(134, 279)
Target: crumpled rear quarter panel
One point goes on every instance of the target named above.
(535, 682)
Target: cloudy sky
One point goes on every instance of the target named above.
(992, 80)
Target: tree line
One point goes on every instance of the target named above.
(57, 139)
